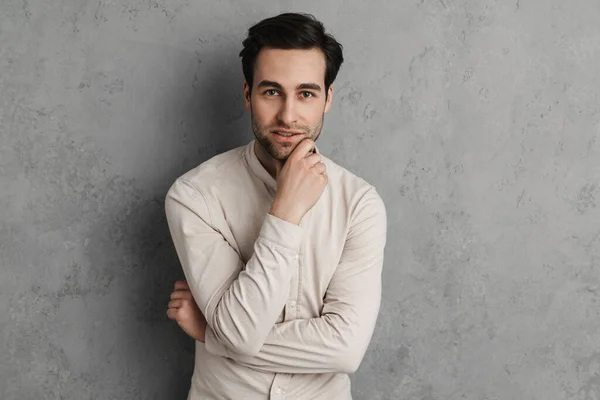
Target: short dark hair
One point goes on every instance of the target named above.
(291, 31)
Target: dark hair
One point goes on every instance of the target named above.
(291, 31)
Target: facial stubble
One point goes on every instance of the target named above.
(262, 135)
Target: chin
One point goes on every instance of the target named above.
(281, 155)
(280, 152)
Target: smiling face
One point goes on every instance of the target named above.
(288, 99)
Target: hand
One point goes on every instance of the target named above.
(184, 310)
(300, 183)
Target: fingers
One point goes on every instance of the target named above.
(181, 299)
(304, 148)
(172, 313)
(317, 165)
(181, 294)
(320, 167)
(176, 303)
(313, 159)
(181, 285)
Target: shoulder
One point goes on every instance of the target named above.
(353, 189)
(209, 175)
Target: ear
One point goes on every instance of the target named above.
(329, 97)
(247, 96)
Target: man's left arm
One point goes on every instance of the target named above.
(336, 341)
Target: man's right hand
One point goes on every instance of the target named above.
(300, 183)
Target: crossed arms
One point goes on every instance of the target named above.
(242, 303)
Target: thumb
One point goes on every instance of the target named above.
(278, 167)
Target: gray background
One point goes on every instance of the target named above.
(477, 120)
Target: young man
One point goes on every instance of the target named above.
(282, 249)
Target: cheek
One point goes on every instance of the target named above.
(264, 111)
(314, 113)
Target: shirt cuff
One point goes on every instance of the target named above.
(282, 233)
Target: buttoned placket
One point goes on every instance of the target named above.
(292, 311)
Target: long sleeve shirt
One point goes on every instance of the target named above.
(290, 308)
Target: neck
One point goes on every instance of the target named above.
(272, 165)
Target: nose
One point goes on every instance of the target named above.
(288, 113)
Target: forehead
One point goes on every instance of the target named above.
(290, 67)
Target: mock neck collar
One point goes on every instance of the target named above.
(256, 166)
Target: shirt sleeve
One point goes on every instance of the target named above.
(336, 341)
(240, 303)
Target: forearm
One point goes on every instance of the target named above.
(309, 346)
(337, 340)
(242, 317)
(332, 343)
(240, 302)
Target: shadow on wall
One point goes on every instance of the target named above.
(213, 120)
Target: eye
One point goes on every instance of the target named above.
(307, 95)
(271, 92)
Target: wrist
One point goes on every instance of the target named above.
(285, 215)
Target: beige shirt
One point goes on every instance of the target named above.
(290, 308)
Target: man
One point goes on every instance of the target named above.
(282, 249)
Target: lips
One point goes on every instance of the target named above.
(288, 132)
(287, 139)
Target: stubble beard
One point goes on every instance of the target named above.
(281, 152)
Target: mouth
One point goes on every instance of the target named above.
(286, 137)
(287, 133)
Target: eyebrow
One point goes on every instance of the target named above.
(311, 86)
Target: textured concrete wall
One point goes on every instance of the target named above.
(477, 120)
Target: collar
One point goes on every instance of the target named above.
(257, 168)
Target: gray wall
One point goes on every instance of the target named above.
(478, 122)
